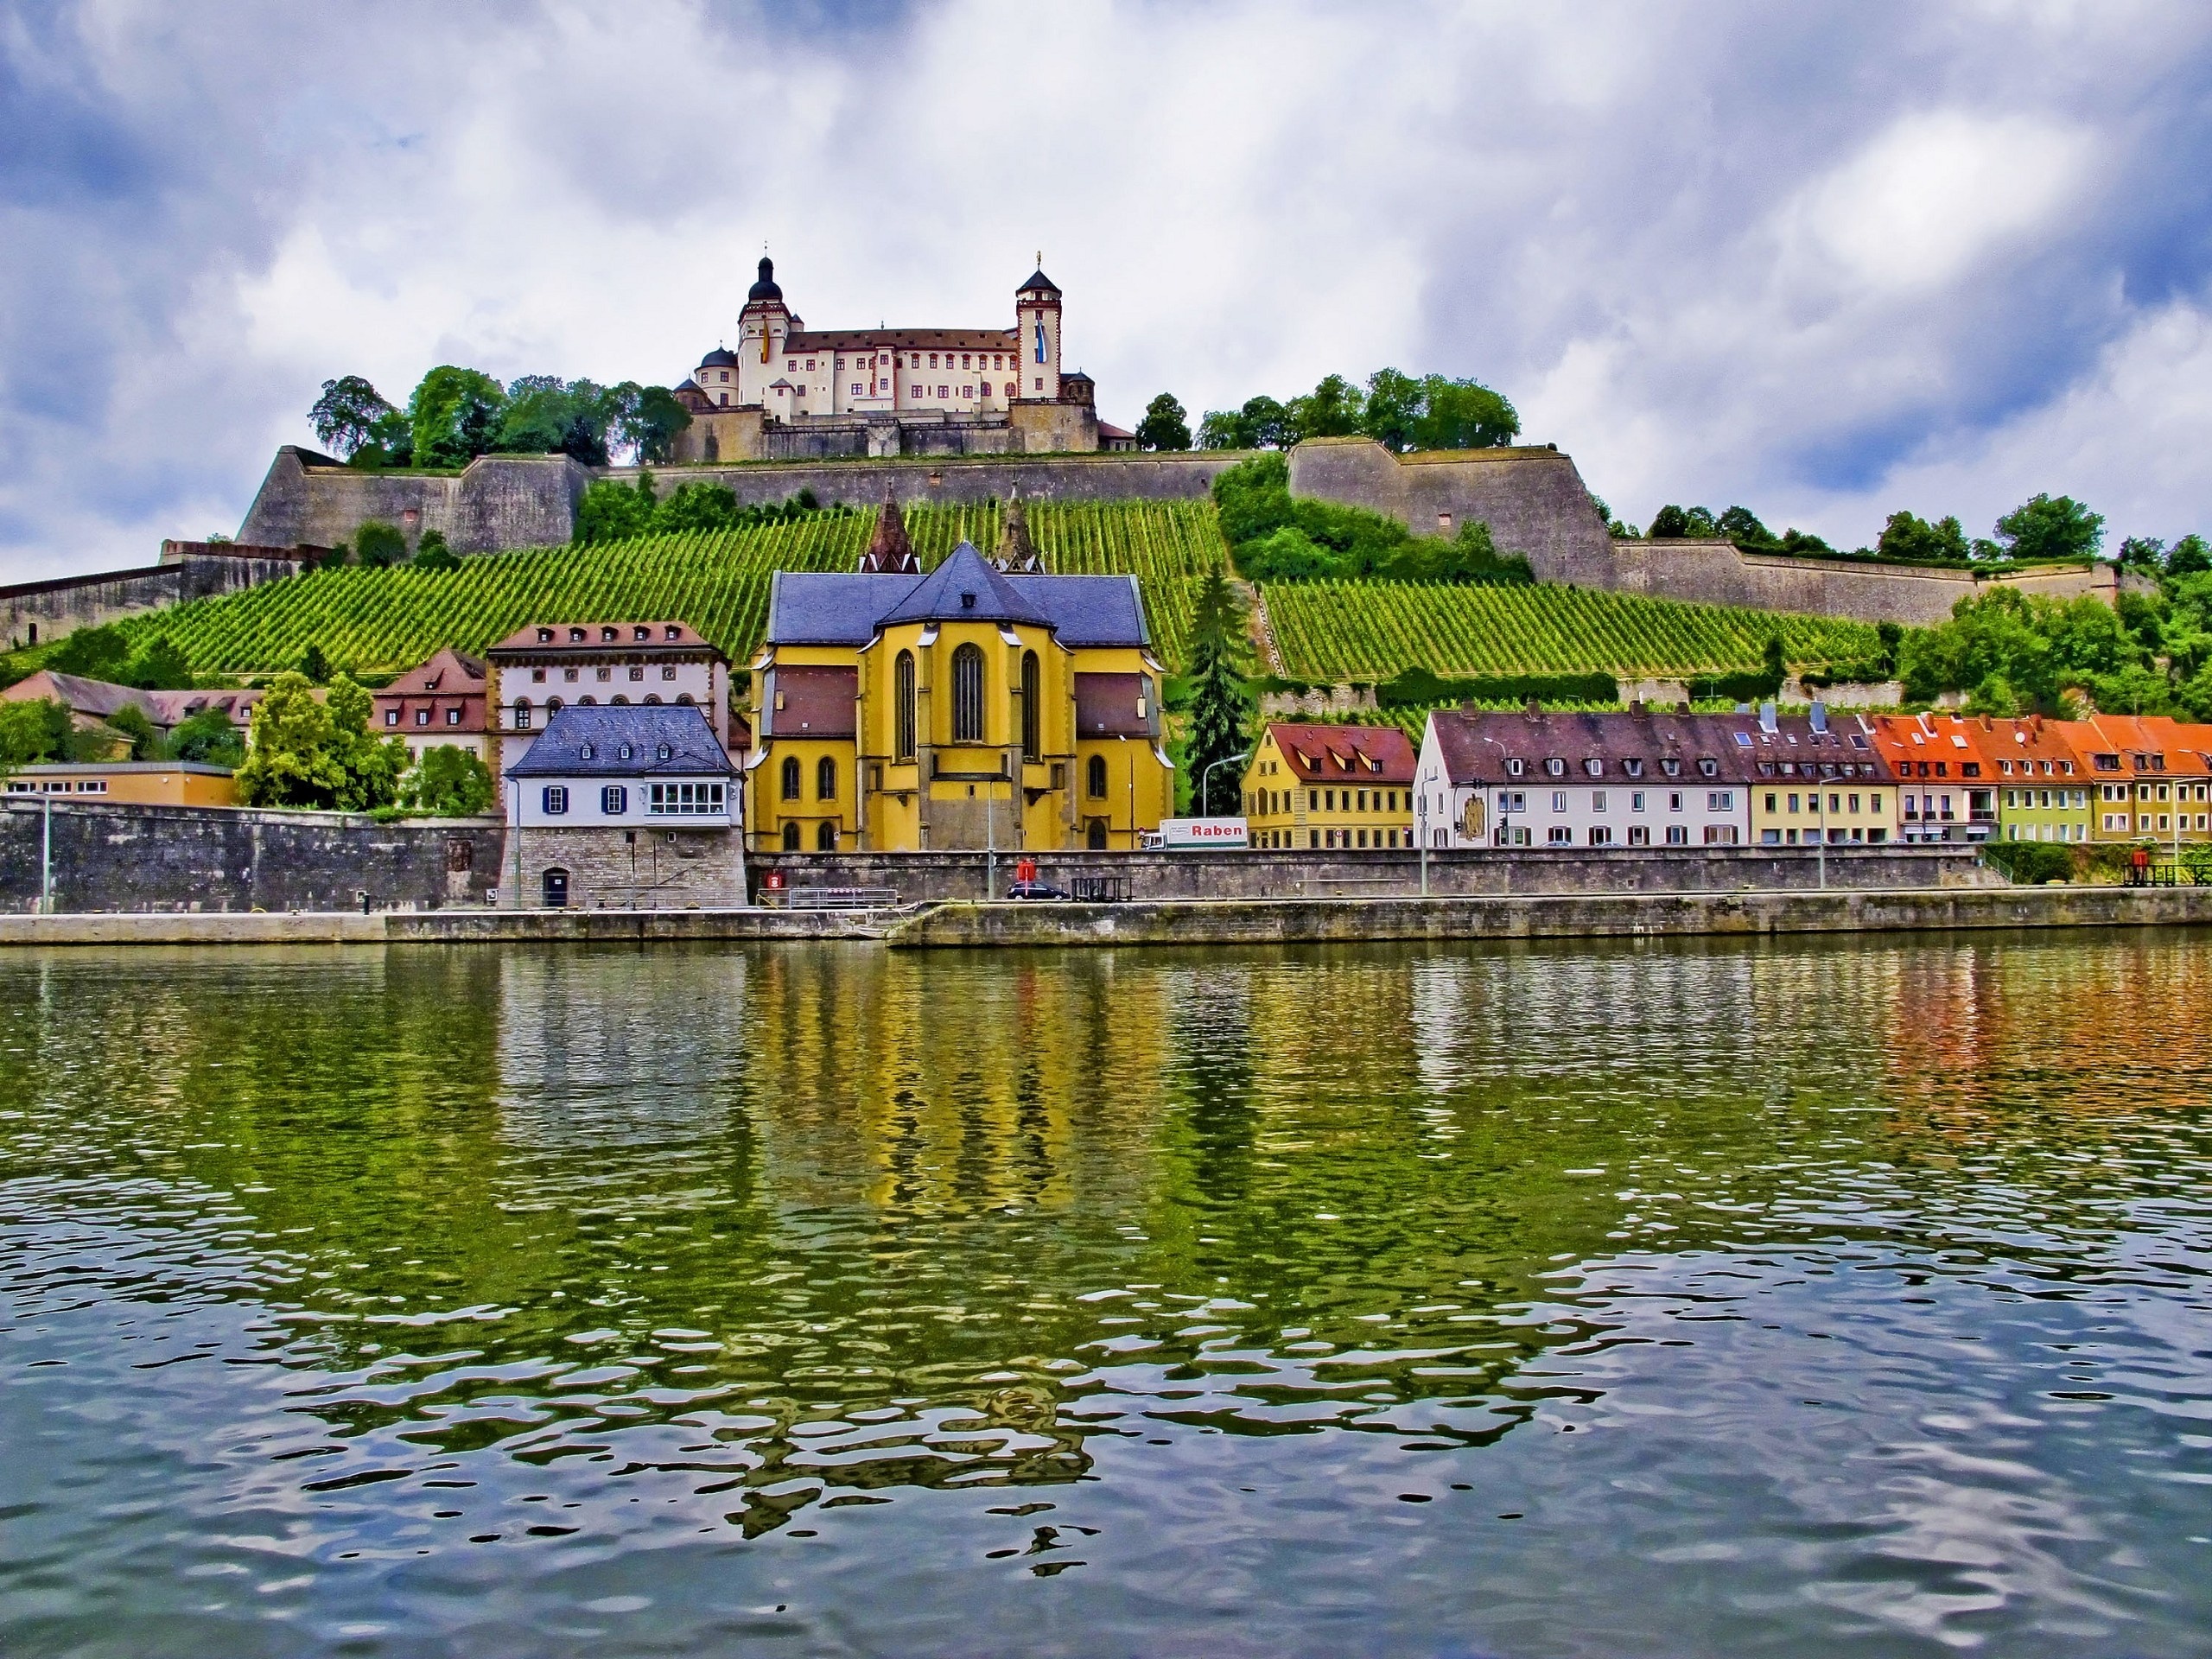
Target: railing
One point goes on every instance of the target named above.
(1099, 889)
(838, 898)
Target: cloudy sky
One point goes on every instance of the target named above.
(1822, 260)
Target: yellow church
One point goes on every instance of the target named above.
(985, 704)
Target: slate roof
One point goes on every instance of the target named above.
(606, 728)
(594, 643)
(964, 589)
(838, 608)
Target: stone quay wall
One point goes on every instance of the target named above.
(918, 878)
(626, 869)
(38, 612)
(171, 858)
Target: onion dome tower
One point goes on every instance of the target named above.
(889, 551)
(1017, 554)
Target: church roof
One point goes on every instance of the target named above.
(964, 589)
(808, 607)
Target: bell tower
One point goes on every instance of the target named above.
(1037, 327)
(762, 327)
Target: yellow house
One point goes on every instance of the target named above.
(1322, 788)
(969, 707)
(139, 782)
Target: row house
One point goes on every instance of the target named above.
(1331, 788)
(1637, 778)
(441, 702)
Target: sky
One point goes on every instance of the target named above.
(1825, 261)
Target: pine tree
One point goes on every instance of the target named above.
(1220, 702)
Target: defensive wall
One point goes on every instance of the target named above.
(1183, 922)
(495, 502)
(162, 858)
(41, 611)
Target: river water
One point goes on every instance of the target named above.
(1620, 1300)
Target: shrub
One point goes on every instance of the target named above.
(448, 781)
(1417, 688)
(377, 545)
(2030, 863)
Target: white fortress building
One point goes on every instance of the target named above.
(787, 392)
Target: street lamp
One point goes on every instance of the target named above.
(1205, 778)
(1504, 796)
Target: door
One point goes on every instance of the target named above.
(556, 889)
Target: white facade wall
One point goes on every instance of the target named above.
(1575, 810)
(585, 802)
(603, 681)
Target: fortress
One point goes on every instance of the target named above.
(788, 393)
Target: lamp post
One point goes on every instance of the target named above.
(1504, 794)
(1823, 859)
(1205, 780)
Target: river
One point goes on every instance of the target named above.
(1668, 1299)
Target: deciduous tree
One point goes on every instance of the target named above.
(1165, 425)
(347, 415)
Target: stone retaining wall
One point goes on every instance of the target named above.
(172, 858)
(919, 877)
(40, 611)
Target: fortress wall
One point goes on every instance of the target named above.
(59, 608)
(1107, 476)
(499, 501)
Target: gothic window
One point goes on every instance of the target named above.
(825, 836)
(791, 838)
(1097, 777)
(791, 777)
(903, 694)
(968, 695)
(825, 779)
(1032, 746)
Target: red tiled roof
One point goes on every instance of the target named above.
(895, 340)
(525, 641)
(812, 702)
(448, 674)
(1324, 753)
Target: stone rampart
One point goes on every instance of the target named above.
(917, 878)
(496, 502)
(164, 858)
(964, 480)
(40, 611)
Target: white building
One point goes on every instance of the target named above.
(538, 670)
(1553, 781)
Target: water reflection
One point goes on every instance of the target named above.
(411, 1252)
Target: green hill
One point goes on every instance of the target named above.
(1337, 631)
(369, 621)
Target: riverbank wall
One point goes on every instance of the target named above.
(1211, 922)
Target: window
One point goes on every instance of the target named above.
(903, 707)
(1559, 800)
(1719, 835)
(684, 800)
(421, 717)
(391, 716)
(1639, 835)
(825, 779)
(613, 800)
(791, 777)
(791, 838)
(825, 836)
(1635, 804)
(1095, 781)
(1708, 768)
(554, 800)
(968, 695)
(1720, 800)
(1596, 800)
(1031, 689)
(1561, 836)
(1555, 767)
(1678, 834)
(452, 716)
(1674, 801)
(1595, 768)
(1513, 766)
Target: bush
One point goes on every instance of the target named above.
(377, 545)
(2030, 863)
(448, 781)
(32, 734)
(1418, 688)
(208, 738)
(431, 553)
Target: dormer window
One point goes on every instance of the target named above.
(1595, 768)
(1633, 768)
(1708, 767)
(576, 636)
(584, 752)
(623, 753)
(967, 602)
(1513, 766)
(665, 751)
(609, 635)
(1671, 766)
(641, 633)
(675, 632)
(545, 635)
(1555, 767)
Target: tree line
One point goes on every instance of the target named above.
(1400, 411)
(454, 415)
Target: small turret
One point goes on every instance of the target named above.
(889, 551)
(1017, 554)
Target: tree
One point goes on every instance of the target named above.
(157, 665)
(33, 733)
(449, 782)
(454, 415)
(545, 415)
(1672, 522)
(1394, 408)
(208, 738)
(697, 506)
(431, 553)
(1463, 415)
(314, 667)
(1742, 526)
(316, 753)
(132, 725)
(648, 421)
(1221, 702)
(611, 510)
(2051, 527)
(1222, 429)
(1907, 537)
(1164, 426)
(1332, 410)
(100, 653)
(1266, 423)
(347, 417)
(378, 544)
(2188, 558)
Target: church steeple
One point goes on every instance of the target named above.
(1017, 554)
(889, 551)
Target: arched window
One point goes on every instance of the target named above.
(1094, 838)
(968, 695)
(825, 836)
(522, 713)
(1097, 778)
(791, 838)
(791, 777)
(825, 779)
(1031, 745)
(902, 677)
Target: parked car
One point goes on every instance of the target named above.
(1034, 890)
